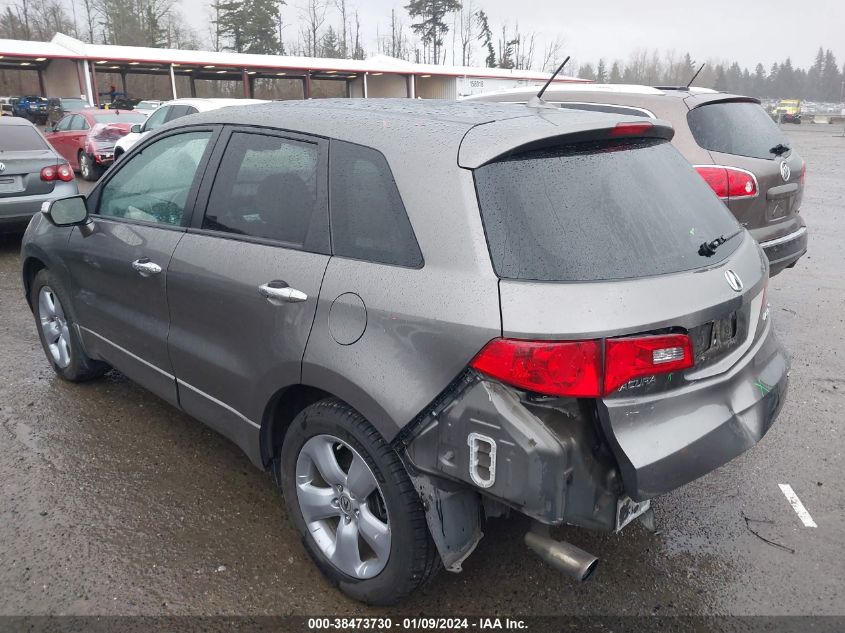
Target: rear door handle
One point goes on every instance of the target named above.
(145, 267)
(280, 292)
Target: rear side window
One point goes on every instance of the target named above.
(19, 138)
(267, 188)
(368, 219)
(733, 127)
(591, 212)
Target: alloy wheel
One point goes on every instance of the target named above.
(54, 325)
(343, 506)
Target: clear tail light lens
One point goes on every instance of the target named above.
(582, 369)
(729, 182)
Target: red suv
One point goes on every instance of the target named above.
(86, 138)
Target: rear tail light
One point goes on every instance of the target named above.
(729, 182)
(629, 358)
(570, 368)
(64, 173)
(61, 172)
(582, 369)
(803, 173)
(630, 129)
(48, 174)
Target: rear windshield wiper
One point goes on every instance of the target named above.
(780, 149)
(708, 249)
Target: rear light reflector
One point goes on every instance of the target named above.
(630, 129)
(803, 173)
(729, 182)
(582, 369)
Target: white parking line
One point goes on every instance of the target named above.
(796, 504)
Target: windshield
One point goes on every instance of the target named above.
(120, 117)
(591, 212)
(20, 138)
(739, 128)
(74, 104)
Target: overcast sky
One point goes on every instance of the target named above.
(747, 31)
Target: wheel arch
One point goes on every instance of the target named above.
(32, 265)
(279, 412)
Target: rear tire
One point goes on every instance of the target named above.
(87, 168)
(338, 436)
(50, 305)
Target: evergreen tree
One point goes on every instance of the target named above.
(601, 72)
(486, 37)
(615, 74)
(329, 45)
(431, 23)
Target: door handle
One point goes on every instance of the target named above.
(276, 292)
(145, 267)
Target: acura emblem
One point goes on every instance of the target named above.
(2, 168)
(785, 172)
(733, 280)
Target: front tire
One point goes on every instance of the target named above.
(57, 333)
(350, 497)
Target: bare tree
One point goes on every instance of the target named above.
(552, 54)
(468, 23)
(344, 27)
(314, 13)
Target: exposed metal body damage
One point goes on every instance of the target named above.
(551, 463)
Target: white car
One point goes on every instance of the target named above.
(148, 106)
(170, 110)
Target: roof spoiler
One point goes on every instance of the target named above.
(488, 142)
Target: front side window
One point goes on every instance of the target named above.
(153, 185)
(266, 188)
(157, 118)
(368, 218)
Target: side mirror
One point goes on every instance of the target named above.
(136, 129)
(66, 211)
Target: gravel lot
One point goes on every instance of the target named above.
(113, 502)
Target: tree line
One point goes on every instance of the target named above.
(457, 32)
(823, 81)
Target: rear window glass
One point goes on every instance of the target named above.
(591, 212)
(738, 128)
(368, 217)
(19, 138)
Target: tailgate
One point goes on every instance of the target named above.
(666, 430)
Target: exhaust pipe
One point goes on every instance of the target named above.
(571, 560)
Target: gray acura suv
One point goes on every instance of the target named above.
(420, 315)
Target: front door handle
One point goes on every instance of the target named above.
(145, 267)
(280, 292)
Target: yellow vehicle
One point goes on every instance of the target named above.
(788, 111)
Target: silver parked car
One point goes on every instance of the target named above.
(420, 315)
(31, 172)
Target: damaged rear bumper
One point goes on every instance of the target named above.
(662, 442)
(542, 456)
